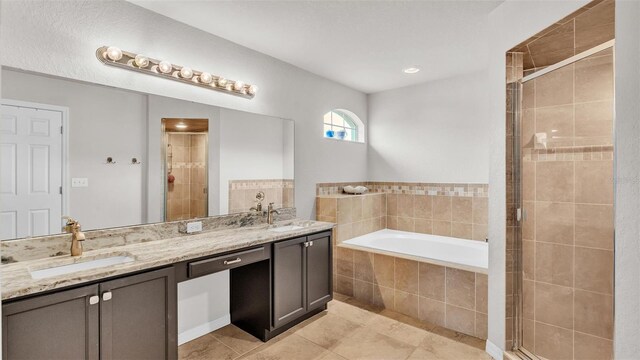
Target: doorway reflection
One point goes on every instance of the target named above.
(186, 162)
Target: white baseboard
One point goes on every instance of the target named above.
(203, 329)
(494, 350)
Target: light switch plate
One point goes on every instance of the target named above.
(79, 182)
(193, 227)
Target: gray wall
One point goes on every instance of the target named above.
(626, 340)
(97, 116)
(434, 132)
(60, 38)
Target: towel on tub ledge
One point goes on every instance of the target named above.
(355, 190)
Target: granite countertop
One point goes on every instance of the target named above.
(17, 280)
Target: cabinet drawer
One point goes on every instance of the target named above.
(228, 261)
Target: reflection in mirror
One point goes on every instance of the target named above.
(185, 144)
(56, 136)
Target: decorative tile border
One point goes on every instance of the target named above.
(261, 184)
(579, 153)
(443, 189)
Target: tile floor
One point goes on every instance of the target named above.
(347, 330)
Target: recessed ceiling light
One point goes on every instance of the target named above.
(411, 70)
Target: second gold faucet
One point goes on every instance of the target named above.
(72, 226)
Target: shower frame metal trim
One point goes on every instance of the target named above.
(569, 61)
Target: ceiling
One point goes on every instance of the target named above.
(362, 44)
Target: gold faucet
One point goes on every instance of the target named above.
(270, 212)
(77, 236)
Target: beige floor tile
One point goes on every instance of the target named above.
(368, 344)
(290, 347)
(238, 340)
(406, 333)
(350, 312)
(348, 330)
(331, 356)
(443, 348)
(328, 330)
(206, 347)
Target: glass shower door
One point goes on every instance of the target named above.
(564, 156)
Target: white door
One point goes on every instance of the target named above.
(30, 172)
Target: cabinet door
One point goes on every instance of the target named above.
(138, 317)
(63, 325)
(319, 270)
(289, 282)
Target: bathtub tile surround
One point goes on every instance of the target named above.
(457, 210)
(407, 286)
(242, 193)
(57, 245)
(444, 296)
(407, 188)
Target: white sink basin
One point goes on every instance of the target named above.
(286, 228)
(80, 266)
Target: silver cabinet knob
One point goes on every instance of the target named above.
(107, 296)
(94, 300)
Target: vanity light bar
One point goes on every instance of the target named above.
(113, 56)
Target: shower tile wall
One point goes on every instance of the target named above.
(590, 26)
(198, 194)
(513, 74)
(242, 194)
(186, 196)
(567, 192)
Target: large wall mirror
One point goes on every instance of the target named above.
(111, 157)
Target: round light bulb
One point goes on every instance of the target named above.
(141, 61)
(165, 67)
(205, 78)
(114, 53)
(186, 73)
(222, 82)
(252, 90)
(238, 85)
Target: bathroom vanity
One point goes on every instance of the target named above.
(129, 310)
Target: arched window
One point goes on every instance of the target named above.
(343, 125)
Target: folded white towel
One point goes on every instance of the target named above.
(355, 190)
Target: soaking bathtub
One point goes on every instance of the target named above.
(470, 255)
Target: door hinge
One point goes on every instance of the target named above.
(61, 130)
(60, 190)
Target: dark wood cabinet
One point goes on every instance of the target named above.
(138, 317)
(133, 317)
(289, 280)
(302, 277)
(273, 287)
(63, 325)
(319, 271)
